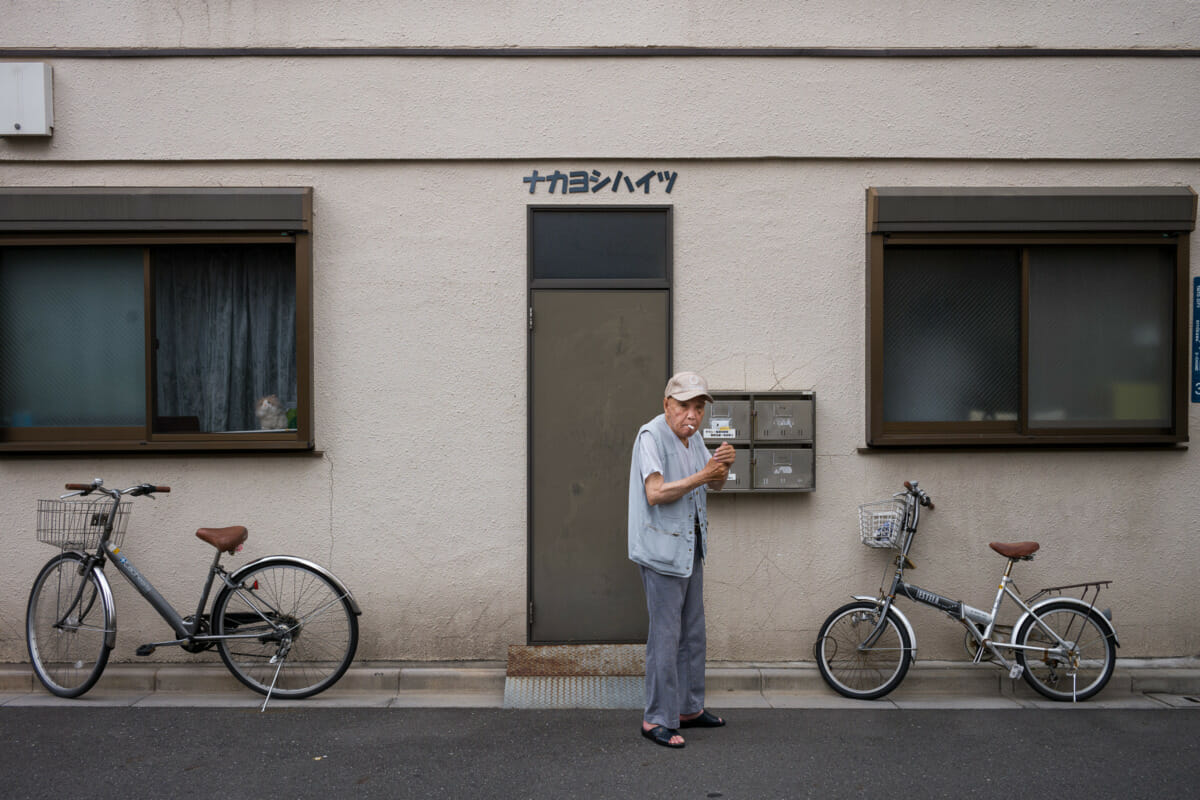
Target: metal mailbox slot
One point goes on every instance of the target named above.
(739, 473)
(773, 435)
(783, 468)
(727, 421)
(783, 420)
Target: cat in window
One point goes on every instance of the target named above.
(271, 413)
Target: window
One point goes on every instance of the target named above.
(624, 246)
(1027, 317)
(154, 320)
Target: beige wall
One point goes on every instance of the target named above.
(424, 108)
(419, 268)
(553, 23)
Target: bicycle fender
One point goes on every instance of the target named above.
(300, 562)
(912, 635)
(110, 605)
(1105, 622)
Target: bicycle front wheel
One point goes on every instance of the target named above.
(293, 633)
(864, 673)
(1074, 674)
(67, 626)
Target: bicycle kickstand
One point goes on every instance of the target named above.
(277, 659)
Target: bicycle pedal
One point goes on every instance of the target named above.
(145, 650)
(1016, 671)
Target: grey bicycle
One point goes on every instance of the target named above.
(1063, 646)
(284, 626)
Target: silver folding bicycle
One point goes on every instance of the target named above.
(284, 626)
(1063, 646)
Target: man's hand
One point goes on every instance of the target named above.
(715, 470)
(715, 473)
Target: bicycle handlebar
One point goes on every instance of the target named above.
(147, 489)
(923, 498)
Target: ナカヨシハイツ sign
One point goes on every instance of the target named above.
(583, 181)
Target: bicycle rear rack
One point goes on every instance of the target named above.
(1086, 588)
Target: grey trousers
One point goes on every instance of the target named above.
(675, 646)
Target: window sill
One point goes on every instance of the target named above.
(1009, 447)
(157, 448)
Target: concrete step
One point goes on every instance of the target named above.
(925, 678)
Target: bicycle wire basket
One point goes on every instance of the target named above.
(882, 524)
(79, 524)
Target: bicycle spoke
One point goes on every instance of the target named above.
(1076, 672)
(67, 627)
(295, 632)
(853, 670)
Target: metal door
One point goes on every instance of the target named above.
(598, 362)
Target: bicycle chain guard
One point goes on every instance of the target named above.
(205, 628)
(971, 644)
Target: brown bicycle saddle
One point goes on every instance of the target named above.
(1015, 549)
(227, 540)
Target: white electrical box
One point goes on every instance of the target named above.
(26, 99)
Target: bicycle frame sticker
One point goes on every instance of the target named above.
(147, 590)
(136, 578)
(955, 608)
(917, 594)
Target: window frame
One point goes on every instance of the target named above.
(961, 218)
(535, 212)
(154, 217)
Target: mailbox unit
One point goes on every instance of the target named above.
(773, 435)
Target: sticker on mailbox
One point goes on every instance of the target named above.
(720, 429)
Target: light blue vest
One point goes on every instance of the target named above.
(662, 537)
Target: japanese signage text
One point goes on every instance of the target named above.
(582, 181)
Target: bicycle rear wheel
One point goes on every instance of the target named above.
(297, 632)
(1076, 675)
(864, 674)
(67, 624)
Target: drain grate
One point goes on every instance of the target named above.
(575, 676)
(1176, 700)
(580, 691)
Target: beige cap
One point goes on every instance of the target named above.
(686, 385)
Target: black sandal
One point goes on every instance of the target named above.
(705, 720)
(660, 734)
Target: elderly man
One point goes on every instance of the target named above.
(668, 538)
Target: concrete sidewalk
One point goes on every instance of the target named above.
(1158, 684)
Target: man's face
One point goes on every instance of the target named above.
(684, 417)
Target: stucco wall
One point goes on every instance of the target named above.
(419, 270)
(424, 108)
(551, 23)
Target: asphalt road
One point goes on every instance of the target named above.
(492, 753)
